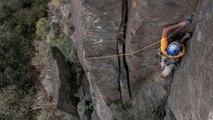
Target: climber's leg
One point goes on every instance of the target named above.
(162, 62)
(167, 70)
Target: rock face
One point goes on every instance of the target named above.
(145, 23)
(152, 94)
(96, 35)
(191, 96)
(111, 28)
(97, 25)
(63, 82)
(146, 20)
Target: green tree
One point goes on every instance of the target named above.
(17, 32)
(17, 28)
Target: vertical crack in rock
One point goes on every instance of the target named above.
(124, 48)
(123, 67)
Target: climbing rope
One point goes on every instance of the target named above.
(137, 51)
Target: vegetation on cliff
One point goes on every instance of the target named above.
(17, 75)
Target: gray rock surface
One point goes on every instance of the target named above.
(97, 25)
(95, 116)
(62, 81)
(145, 24)
(151, 95)
(96, 35)
(191, 96)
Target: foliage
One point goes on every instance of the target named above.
(17, 21)
(42, 27)
(52, 113)
(150, 114)
(17, 31)
(57, 2)
(15, 105)
(90, 106)
(64, 43)
(125, 114)
(64, 1)
(45, 116)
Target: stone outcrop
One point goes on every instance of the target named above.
(146, 20)
(97, 26)
(62, 82)
(191, 96)
(96, 33)
(109, 27)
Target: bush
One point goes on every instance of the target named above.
(125, 114)
(64, 1)
(90, 106)
(57, 2)
(45, 116)
(15, 105)
(42, 27)
(17, 28)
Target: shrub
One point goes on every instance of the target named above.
(57, 2)
(64, 1)
(45, 115)
(125, 114)
(18, 20)
(90, 106)
(42, 27)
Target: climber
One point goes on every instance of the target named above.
(170, 53)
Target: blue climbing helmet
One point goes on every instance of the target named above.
(174, 48)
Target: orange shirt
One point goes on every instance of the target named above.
(164, 44)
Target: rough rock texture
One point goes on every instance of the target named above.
(191, 96)
(145, 24)
(146, 20)
(109, 27)
(151, 95)
(96, 35)
(63, 82)
(97, 25)
(95, 116)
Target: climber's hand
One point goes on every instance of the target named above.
(183, 23)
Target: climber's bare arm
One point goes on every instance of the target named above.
(170, 27)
